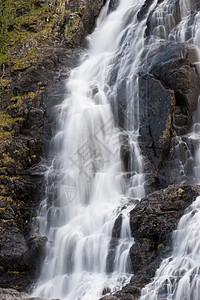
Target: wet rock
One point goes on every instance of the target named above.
(168, 91)
(172, 10)
(34, 80)
(11, 294)
(152, 222)
(36, 245)
(144, 10)
(195, 5)
(113, 5)
(176, 69)
(117, 227)
(157, 215)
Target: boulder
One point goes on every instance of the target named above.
(168, 92)
(152, 222)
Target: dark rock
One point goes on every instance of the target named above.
(168, 91)
(144, 10)
(113, 5)
(152, 222)
(156, 216)
(35, 81)
(36, 245)
(22, 49)
(195, 5)
(154, 28)
(175, 68)
(117, 227)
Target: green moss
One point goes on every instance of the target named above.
(72, 26)
(4, 82)
(5, 119)
(6, 160)
(2, 210)
(3, 190)
(4, 135)
(14, 29)
(18, 100)
(160, 246)
(7, 199)
(16, 272)
(3, 221)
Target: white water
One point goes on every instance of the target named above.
(178, 277)
(86, 184)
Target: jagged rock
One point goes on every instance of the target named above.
(11, 294)
(157, 103)
(175, 67)
(143, 11)
(152, 222)
(22, 49)
(195, 5)
(36, 253)
(113, 5)
(172, 9)
(168, 91)
(34, 80)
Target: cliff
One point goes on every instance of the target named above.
(40, 41)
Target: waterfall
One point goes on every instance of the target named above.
(178, 275)
(89, 191)
(88, 196)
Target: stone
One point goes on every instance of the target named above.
(152, 222)
(35, 82)
(168, 92)
(175, 67)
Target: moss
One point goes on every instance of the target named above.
(8, 199)
(6, 119)
(18, 100)
(4, 82)
(3, 58)
(4, 134)
(3, 190)
(16, 272)
(3, 221)
(2, 210)
(160, 246)
(6, 160)
(72, 26)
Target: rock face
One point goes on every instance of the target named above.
(152, 222)
(168, 91)
(38, 48)
(11, 294)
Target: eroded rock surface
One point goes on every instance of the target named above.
(152, 222)
(44, 41)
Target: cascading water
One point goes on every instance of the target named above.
(86, 256)
(88, 194)
(178, 276)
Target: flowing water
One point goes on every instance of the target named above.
(178, 277)
(89, 195)
(85, 213)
